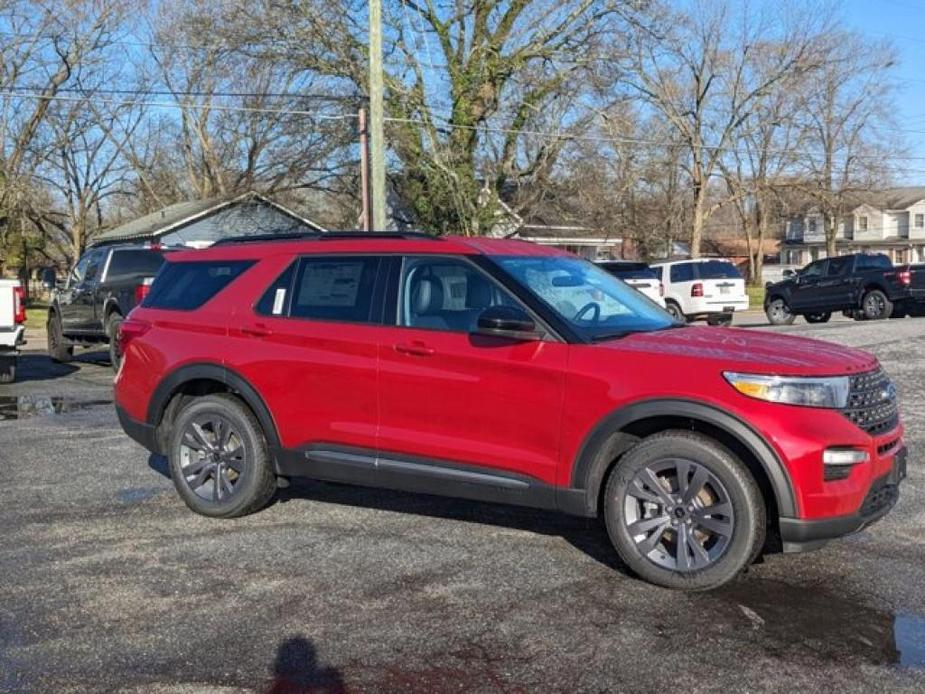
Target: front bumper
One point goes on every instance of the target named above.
(801, 535)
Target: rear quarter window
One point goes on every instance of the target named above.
(874, 262)
(682, 272)
(188, 285)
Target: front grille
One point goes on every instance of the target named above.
(872, 402)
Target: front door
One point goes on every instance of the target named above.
(450, 395)
(806, 294)
(835, 289)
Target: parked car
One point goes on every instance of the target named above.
(704, 288)
(865, 285)
(105, 284)
(12, 327)
(639, 276)
(503, 371)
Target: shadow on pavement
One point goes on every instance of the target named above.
(34, 366)
(585, 534)
(296, 669)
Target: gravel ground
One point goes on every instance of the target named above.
(110, 583)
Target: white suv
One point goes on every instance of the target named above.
(707, 288)
(638, 275)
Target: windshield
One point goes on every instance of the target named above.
(594, 302)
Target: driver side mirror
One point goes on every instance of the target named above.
(507, 321)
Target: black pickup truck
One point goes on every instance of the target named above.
(865, 285)
(105, 284)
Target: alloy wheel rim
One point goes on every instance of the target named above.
(679, 515)
(875, 305)
(213, 460)
(779, 310)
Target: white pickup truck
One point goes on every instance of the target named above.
(12, 328)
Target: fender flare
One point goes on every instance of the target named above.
(214, 372)
(599, 446)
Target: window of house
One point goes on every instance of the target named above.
(919, 221)
(862, 223)
(811, 226)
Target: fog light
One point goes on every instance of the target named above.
(840, 461)
(844, 456)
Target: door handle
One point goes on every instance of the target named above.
(256, 331)
(417, 349)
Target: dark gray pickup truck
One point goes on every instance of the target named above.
(105, 284)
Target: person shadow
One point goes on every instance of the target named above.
(296, 670)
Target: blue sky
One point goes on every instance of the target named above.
(901, 21)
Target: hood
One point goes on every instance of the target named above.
(750, 351)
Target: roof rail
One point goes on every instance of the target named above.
(326, 236)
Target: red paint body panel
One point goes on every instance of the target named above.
(521, 407)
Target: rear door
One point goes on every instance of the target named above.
(310, 348)
(449, 394)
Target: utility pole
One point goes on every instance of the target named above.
(376, 116)
(366, 222)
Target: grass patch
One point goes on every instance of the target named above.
(755, 297)
(36, 314)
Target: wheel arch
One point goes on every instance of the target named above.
(201, 379)
(620, 430)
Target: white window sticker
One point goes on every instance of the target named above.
(278, 301)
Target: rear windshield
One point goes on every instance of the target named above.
(717, 270)
(629, 271)
(135, 263)
(185, 286)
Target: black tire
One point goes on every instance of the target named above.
(7, 369)
(726, 477)
(779, 313)
(58, 348)
(875, 305)
(817, 317)
(722, 319)
(112, 332)
(250, 475)
(675, 310)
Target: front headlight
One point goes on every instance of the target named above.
(830, 392)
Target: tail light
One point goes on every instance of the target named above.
(697, 289)
(141, 291)
(129, 329)
(661, 289)
(904, 277)
(19, 305)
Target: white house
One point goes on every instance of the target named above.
(890, 221)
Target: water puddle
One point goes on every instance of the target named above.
(23, 406)
(794, 621)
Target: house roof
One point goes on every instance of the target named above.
(181, 214)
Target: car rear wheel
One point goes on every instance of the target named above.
(779, 313)
(218, 458)
(876, 306)
(817, 317)
(675, 310)
(683, 512)
(58, 348)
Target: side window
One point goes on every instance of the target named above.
(682, 272)
(813, 270)
(658, 272)
(77, 274)
(278, 296)
(876, 261)
(838, 266)
(441, 293)
(95, 266)
(335, 288)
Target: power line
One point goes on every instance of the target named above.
(89, 91)
(173, 104)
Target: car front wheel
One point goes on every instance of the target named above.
(218, 458)
(683, 512)
(58, 348)
(779, 313)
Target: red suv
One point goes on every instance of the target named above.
(502, 371)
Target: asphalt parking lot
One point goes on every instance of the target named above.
(109, 582)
